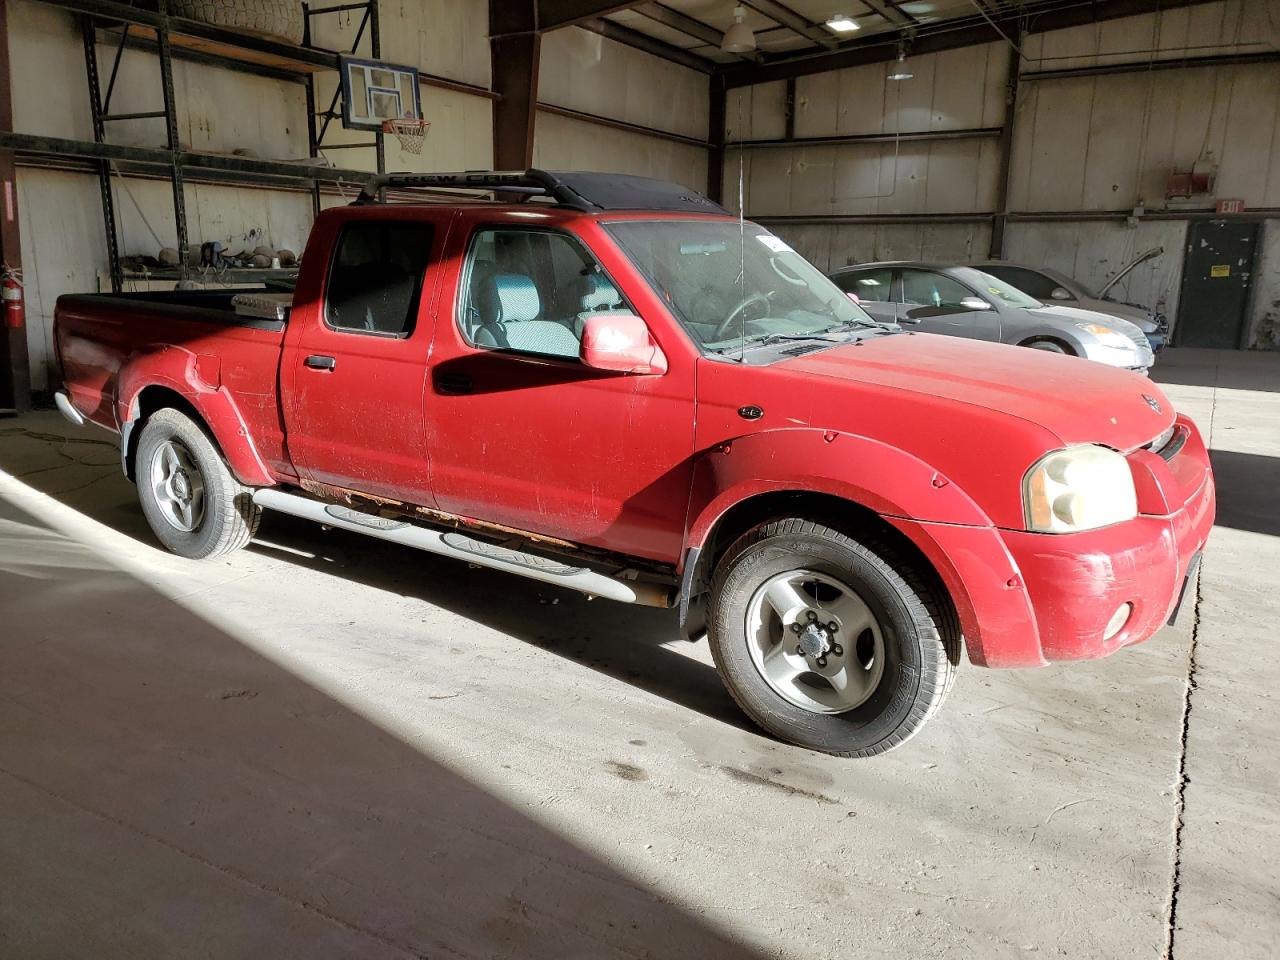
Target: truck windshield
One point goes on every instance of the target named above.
(737, 287)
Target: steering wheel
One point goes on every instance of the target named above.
(785, 273)
(727, 324)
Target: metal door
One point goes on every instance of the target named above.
(1217, 277)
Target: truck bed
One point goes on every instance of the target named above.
(102, 337)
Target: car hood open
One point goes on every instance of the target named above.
(1078, 400)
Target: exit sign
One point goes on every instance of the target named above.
(1230, 206)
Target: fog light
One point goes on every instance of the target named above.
(1117, 621)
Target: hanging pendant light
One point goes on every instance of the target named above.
(901, 70)
(738, 38)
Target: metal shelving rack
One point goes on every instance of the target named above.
(173, 38)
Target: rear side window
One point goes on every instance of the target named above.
(867, 284)
(376, 279)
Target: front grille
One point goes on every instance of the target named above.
(1167, 445)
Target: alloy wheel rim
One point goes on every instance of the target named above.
(178, 486)
(815, 641)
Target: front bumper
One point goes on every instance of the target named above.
(1028, 599)
(1131, 356)
(1076, 582)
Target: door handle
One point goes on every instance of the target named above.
(318, 362)
(454, 383)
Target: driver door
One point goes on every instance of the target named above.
(933, 302)
(524, 434)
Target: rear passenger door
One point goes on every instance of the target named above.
(354, 365)
(874, 290)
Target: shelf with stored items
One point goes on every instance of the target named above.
(158, 30)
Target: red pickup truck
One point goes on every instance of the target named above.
(611, 384)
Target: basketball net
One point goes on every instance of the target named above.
(411, 133)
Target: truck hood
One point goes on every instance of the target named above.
(1076, 400)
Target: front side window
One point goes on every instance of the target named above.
(734, 284)
(530, 291)
(924, 288)
(375, 282)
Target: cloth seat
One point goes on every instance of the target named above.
(508, 314)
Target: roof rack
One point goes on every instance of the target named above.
(577, 190)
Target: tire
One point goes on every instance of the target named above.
(901, 665)
(1050, 346)
(222, 515)
(280, 19)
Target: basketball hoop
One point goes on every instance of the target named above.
(410, 132)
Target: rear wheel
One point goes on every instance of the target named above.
(195, 507)
(831, 643)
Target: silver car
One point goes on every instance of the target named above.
(1049, 286)
(967, 302)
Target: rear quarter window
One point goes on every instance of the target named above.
(375, 282)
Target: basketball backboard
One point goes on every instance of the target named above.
(373, 91)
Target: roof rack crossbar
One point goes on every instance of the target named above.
(530, 183)
(575, 189)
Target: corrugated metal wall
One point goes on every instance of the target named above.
(1082, 145)
(586, 72)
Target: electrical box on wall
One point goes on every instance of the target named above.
(1198, 182)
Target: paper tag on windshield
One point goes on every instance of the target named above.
(773, 243)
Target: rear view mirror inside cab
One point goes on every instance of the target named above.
(620, 342)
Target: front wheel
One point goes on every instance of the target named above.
(830, 643)
(194, 505)
(1050, 346)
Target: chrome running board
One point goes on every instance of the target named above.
(451, 543)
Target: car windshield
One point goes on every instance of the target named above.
(737, 286)
(1006, 292)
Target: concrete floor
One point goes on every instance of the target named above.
(327, 747)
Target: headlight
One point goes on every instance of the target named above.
(1106, 335)
(1079, 488)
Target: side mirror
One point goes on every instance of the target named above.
(620, 342)
(1060, 293)
(975, 303)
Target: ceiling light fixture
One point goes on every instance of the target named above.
(738, 38)
(900, 69)
(842, 23)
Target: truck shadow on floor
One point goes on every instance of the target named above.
(80, 468)
(623, 641)
(172, 791)
(1247, 484)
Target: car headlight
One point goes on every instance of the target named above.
(1079, 488)
(1106, 335)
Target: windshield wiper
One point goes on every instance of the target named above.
(856, 324)
(769, 338)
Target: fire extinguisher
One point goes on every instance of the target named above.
(15, 312)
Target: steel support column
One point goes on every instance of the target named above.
(175, 143)
(514, 44)
(96, 111)
(15, 372)
(719, 97)
(1001, 219)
